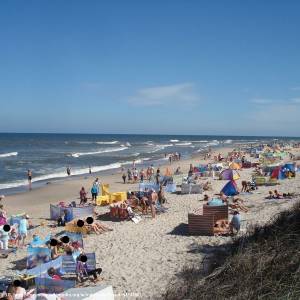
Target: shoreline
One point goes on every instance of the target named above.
(67, 189)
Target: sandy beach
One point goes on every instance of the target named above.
(139, 260)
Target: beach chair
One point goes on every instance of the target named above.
(105, 189)
(201, 224)
(272, 182)
(259, 180)
(103, 200)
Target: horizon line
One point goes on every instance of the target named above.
(158, 134)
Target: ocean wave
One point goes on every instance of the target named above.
(135, 154)
(201, 141)
(160, 147)
(61, 174)
(184, 144)
(228, 142)
(127, 144)
(8, 154)
(108, 143)
(76, 155)
(212, 143)
(174, 141)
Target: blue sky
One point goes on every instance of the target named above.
(186, 67)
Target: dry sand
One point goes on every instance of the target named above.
(139, 260)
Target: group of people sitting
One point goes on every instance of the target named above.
(277, 195)
(139, 202)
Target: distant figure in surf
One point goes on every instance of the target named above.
(68, 171)
(29, 177)
(90, 170)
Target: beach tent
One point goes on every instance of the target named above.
(280, 172)
(230, 188)
(234, 166)
(100, 292)
(229, 174)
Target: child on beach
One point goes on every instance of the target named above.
(4, 237)
(235, 223)
(83, 198)
(23, 226)
(83, 271)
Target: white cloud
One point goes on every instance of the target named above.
(163, 95)
(262, 101)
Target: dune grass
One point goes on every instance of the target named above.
(262, 264)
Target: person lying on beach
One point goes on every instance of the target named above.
(277, 195)
(237, 204)
(207, 186)
(206, 198)
(221, 227)
(223, 197)
(53, 274)
(97, 227)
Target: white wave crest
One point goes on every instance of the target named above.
(99, 152)
(108, 143)
(127, 144)
(61, 174)
(228, 142)
(174, 141)
(9, 154)
(183, 144)
(160, 147)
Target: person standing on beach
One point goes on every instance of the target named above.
(124, 176)
(29, 177)
(90, 170)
